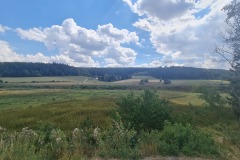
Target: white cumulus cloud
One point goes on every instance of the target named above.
(182, 29)
(82, 46)
(3, 28)
(7, 54)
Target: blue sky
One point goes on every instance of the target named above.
(111, 33)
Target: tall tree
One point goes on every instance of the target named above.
(230, 51)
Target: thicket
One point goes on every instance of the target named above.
(144, 112)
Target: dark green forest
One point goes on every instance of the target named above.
(20, 69)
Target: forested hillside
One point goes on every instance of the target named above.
(19, 69)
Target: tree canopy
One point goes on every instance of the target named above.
(19, 69)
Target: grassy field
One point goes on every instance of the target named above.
(67, 108)
(89, 80)
(68, 105)
(64, 108)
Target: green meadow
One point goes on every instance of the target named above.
(67, 107)
(71, 102)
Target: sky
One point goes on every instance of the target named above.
(112, 33)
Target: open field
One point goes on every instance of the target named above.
(68, 102)
(79, 82)
(67, 107)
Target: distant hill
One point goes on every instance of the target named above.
(21, 69)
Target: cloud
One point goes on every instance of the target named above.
(3, 28)
(110, 62)
(181, 28)
(9, 55)
(32, 34)
(164, 9)
(121, 36)
(122, 56)
(83, 45)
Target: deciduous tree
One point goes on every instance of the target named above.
(230, 51)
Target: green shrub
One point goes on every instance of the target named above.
(212, 97)
(143, 81)
(176, 139)
(144, 112)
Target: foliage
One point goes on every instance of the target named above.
(112, 78)
(231, 53)
(211, 96)
(20, 69)
(144, 112)
(167, 81)
(176, 139)
(143, 81)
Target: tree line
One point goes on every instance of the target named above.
(22, 69)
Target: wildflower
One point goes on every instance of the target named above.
(75, 132)
(96, 132)
(58, 140)
(2, 129)
(25, 129)
(53, 133)
(27, 133)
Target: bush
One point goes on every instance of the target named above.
(143, 81)
(144, 112)
(176, 139)
(167, 81)
(212, 97)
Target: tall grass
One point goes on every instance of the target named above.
(54, 114)
(116, 141)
